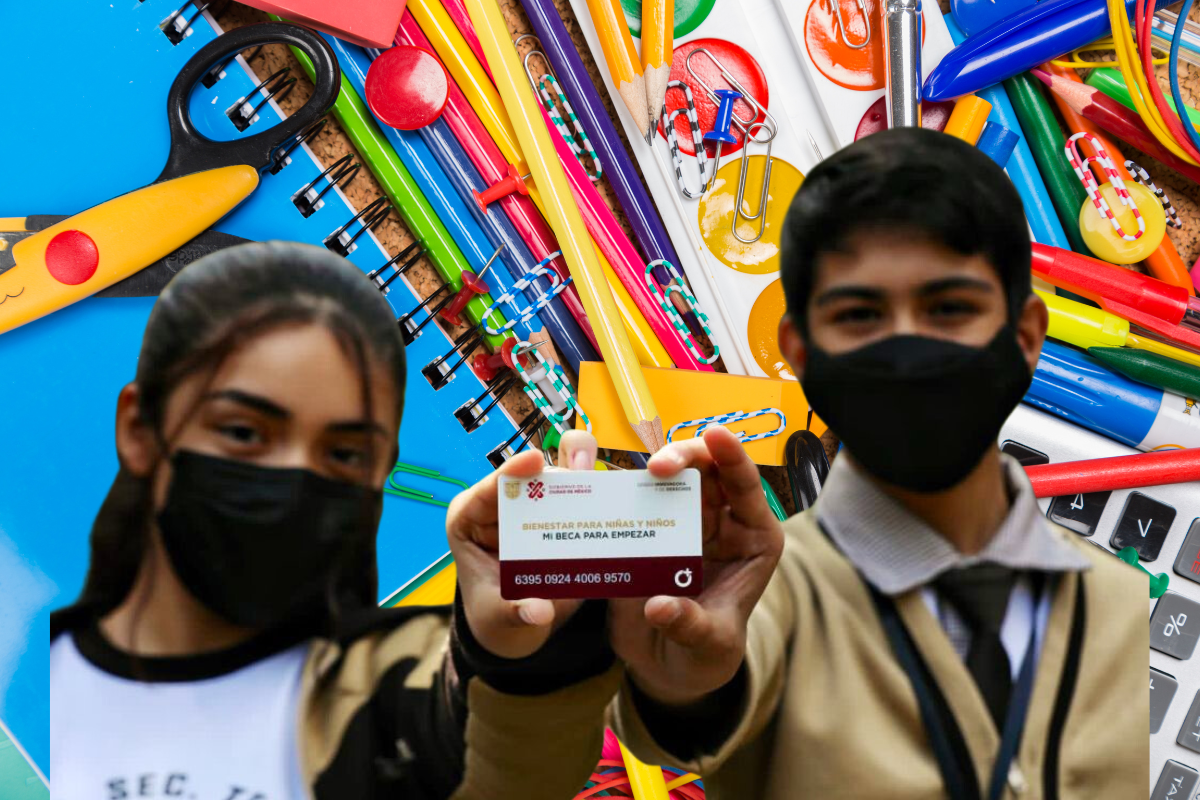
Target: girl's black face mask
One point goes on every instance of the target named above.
(917, 412)
(259, 546)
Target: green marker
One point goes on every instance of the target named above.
(1048, 144)
(398, 184)
(1151, 369)
(1110, 81)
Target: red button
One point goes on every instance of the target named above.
(407, 87)
(72, 257)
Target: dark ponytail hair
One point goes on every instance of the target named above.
(208, 311)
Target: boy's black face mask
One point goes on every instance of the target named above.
(916, 412)
(259, 546)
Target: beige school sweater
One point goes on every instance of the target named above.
(830, 713)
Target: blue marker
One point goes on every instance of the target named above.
(998, 142)
(1080, 389)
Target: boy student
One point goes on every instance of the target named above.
(927, 632)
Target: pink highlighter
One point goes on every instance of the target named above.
(370, 23)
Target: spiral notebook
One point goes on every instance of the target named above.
(91, 124)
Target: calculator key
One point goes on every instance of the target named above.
(1026, 456)
(1187, 563)
(1079, 512)
(1174, 626)
(1143, 526)
(1162, 691)
(1175, 782)
(1189, 734)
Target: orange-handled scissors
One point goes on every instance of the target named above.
(203, 180)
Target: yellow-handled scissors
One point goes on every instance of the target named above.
(202, 181)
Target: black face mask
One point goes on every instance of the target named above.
(916, 412)
(260, 546)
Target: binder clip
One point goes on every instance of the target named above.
(862, 6)
(282, 157)
(577, 141)
(339, 173)
(807, 467)
(663, 296)
(509, 297)
(371, 215)
(725, 419)
(391, 263)
(175, 27)
(513, 182)
(277, 85)
(668, 122)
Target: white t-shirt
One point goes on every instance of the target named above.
(221, 727)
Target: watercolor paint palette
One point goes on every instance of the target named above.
(848, 78)
(735, 277)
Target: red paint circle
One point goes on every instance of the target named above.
(72, 257)
(863, 69)
(407, 87)
(934, 116)
(741, 66)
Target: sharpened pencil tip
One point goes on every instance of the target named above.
(650, 137)
(1041, 75)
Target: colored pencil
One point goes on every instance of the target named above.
(622, 59)
(646, 346)
(1164, 263)
(462, 20)
(1116, 119)
(636, 400)
(1022, 169)
(487, 158)
(1047, 141)
(1112, 83)
(658, 44)
(1151, 369)
(401, 188)
(1117, 472)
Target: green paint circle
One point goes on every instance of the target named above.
(688, 15)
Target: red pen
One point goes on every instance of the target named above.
(1156, 306)
(1118, 472)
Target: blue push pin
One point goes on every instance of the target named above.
(720, 132)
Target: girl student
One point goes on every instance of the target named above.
(227, 644)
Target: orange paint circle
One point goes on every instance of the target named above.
(861, 69)
(715, 214)
(744, 69)
(763, 332)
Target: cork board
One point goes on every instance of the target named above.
(333, 144)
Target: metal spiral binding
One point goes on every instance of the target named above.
(471, 414)
(371, 216)
(217, 72)
(340, 172)
(528, 429)
(382, 285)
(411, 332)
(282, 156)
(467, 341)
(170, 27)
(277, 85)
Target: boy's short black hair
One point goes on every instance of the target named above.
(908, 179)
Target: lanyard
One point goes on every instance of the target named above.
(944, 734)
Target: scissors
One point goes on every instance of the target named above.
(53, 266)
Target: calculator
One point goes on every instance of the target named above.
(1162, 523)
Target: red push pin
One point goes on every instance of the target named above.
(488, 366)
(407, 87)
(472, 285)
(502, 188)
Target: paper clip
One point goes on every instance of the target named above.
(744, 171)
(407, 492)
(862, 6)
(668, 121)
(759, 110)
(1141, 176)
(736, 416)
(543, 300)
(558, 380)
(678, 286)
(1101, 157)
(579, 141)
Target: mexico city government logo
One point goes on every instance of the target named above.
(536, 490)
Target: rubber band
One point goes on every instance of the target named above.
(663, 297)
(1173, 71)
(1100, 45)
(520, 316)
(1161, 106)
(579, 141)
(735, 416)
(1141, 176)
(1092, 188)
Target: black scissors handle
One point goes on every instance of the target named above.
(193, 152)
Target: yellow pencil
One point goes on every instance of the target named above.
(658, 44)
(622, 59)
(566, 222)
(646, 346)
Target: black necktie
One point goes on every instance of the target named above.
(980, 596)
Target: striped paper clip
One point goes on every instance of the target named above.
(668, 121)
(736, 416)
(527, 280)
(1141, 176)
(558, 380)
(663, 297)
(1101, 157)
(579, 141)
